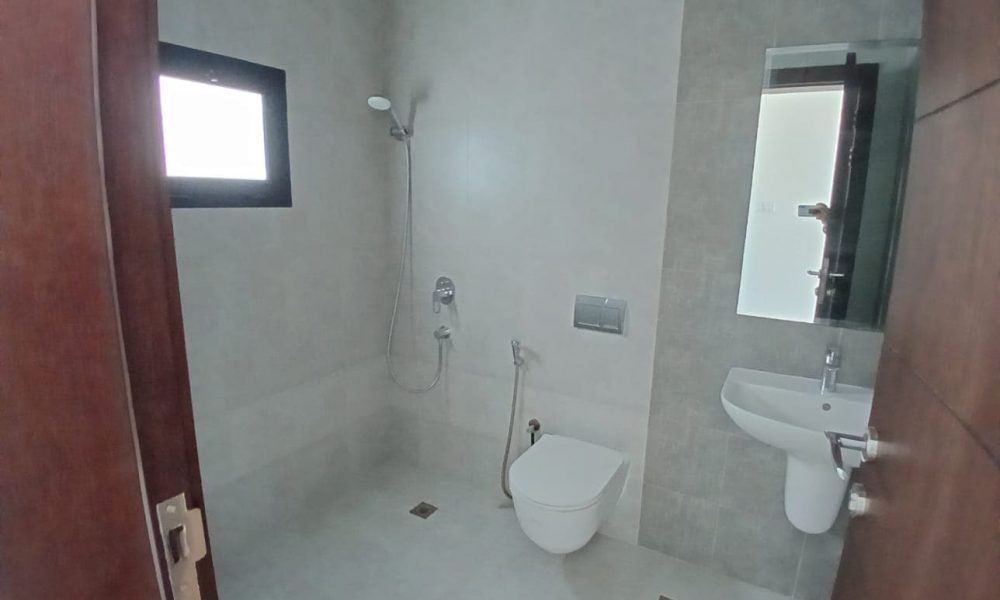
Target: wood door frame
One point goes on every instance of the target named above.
(847, 195)
(145, 261)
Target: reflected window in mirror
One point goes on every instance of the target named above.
(832, 139)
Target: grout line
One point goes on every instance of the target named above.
(798, 568)
(881, 19)
(775, 9)
(718, 506)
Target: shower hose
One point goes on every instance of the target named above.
(504, 483)
(442, 333)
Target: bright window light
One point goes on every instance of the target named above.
(795, 160)
(211, 131)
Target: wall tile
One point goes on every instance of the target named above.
(901, 19)
(543, 135)
(763, 551)
(754, 479)
(687, 459)
(815, 579)
(679, 525)
(285, 407)
(699, 336)
(823, 21)
(713, 70)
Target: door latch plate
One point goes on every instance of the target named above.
(182, 531)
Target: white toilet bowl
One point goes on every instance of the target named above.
(564, 489)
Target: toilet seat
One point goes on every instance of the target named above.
(564, 474)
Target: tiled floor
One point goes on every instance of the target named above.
(365, 545)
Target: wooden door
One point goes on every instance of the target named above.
(73, 518)
(95, 414)
(934, 527)
(144, 258)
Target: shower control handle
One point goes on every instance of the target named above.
(444, 293)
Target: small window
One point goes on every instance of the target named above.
(225, 130)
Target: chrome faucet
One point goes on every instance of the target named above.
(515, 348)
(831, 366)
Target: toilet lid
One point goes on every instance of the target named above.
(563, 472)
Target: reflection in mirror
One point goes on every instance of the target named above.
(830, 160)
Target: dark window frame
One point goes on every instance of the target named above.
(269, 82)
(847, 197)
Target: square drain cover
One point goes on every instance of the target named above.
(423, 510)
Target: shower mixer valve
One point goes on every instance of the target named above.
(444, 293)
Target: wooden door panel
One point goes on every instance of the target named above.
(943, 314)
(144, 258)
(961, 50)
(72, 518)
(934, 528)
(934, 532)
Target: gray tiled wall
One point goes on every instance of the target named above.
(711, 495)
(542, 135)
(285, 310)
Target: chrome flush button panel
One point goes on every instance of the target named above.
(598, 313)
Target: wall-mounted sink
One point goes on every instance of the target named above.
(789, 413)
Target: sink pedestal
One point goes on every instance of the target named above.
(814, 494)
(792, 414)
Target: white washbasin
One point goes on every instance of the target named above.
(789, 413)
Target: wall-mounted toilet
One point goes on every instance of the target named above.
(564, 489)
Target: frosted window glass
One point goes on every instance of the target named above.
(794, 163)
(212, 131)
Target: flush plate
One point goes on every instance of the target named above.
(598, 313)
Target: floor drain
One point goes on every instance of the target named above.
(423, 510)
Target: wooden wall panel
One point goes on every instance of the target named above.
(944, 318)
(935, 532)
(961, 50)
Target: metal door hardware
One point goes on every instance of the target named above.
(867, 444)
(183, 533)
(858, 503)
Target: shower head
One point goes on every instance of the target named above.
(381, 103)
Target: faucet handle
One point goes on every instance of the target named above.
(832, 356)
(867, 444)
(444, 293)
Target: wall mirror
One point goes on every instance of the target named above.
(829, 167)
